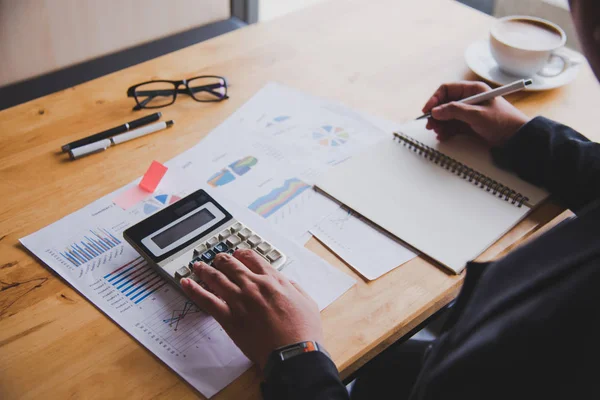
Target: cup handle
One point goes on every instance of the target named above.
(567, 61)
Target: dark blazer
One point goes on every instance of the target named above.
(525, 326)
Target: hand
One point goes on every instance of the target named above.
(495, 121)
(258, 307)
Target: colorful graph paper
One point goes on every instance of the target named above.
(98, 242)
(221, 178)
(278, 197)
(136, 280)
(328, 135)
(277, 120)
(241, 166)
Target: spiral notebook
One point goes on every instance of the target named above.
(446, 199)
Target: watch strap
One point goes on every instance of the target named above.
(283, 353)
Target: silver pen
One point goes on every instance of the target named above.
(102, 145)
(501, 91)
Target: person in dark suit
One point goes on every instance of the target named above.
(524, 326)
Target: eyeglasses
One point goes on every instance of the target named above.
(157, 94)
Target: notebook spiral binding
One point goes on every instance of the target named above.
(462, 170)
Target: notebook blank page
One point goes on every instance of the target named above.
(433, 210)
(470, 151)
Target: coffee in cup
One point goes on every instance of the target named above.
(522, 46)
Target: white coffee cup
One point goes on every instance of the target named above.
(522, 46)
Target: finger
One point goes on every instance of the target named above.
(444, 136)
(432, 102)
(458, 111)
(460, 90)
(220, 284)
(463, 89)
(429, 125)
(443, 130)
(447, 129)
(435, 125)
(455, 91)
(253, 261)
(233, 268)
(206, 301)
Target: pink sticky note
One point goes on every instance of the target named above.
(153, 176)
(130, 197)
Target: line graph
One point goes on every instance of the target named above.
(169, 319)
(339, 222)
(179, 314)
(180, 323)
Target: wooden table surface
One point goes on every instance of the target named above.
(383, 57)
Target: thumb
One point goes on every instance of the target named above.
(457, 111)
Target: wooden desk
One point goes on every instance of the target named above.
(382, 56)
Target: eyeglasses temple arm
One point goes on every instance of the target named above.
(143, 103)
(208, 88)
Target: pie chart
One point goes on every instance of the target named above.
(167, 198)
(331, 136)
(157, 202)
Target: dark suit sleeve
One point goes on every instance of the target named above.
(309, 376)
(555, 157)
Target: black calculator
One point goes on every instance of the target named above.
(196, 228)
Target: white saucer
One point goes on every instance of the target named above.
(479, 59)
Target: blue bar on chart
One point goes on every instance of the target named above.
(136, 280)
(99, 241)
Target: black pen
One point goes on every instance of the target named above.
(112, 131)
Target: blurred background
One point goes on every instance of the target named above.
(553, 10)
(50, 45)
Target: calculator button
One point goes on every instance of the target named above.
(208, 256)
(230, 252)
(245, 233)
(212, 241)
(224, 234)
(236, 227)
(220, 248)
(264, 248)
(243, 246)
(199, 249)
(195, 260)
(273, 256)
(254, 240)
(182, 272)
(233, 241)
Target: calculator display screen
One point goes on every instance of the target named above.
(183, 228)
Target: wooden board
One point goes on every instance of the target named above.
(384, 57)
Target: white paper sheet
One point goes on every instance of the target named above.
(437, 212)
(371, 251)
(267, 155)
(262, 161)
(472, 152)
(87, 249)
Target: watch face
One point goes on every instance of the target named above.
(289, 353)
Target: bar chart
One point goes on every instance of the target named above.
(136, 280)
(90, 246)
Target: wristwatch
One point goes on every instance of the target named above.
(286, 352)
